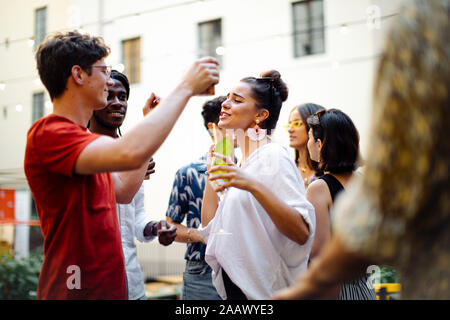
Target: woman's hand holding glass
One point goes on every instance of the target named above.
(230, 174)
(215, 159)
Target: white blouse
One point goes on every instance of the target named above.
(243, 240)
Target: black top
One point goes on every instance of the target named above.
(232, 290)
(355, 289)
(333, 184)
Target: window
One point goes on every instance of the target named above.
(36, 242)
(38, 106)
(308, 26)
(40, 25)
(210, 38)
(131, 57)
(33, 214)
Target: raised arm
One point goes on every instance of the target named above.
(127, 183)
(136, 147)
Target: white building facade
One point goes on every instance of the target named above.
(326, 51)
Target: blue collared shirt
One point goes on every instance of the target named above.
(186, 201)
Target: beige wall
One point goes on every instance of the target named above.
(18, 71)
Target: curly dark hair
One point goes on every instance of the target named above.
(116, 75)
(211, 110)
(270, 92)
(59, 52)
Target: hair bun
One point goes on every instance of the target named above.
(278, 82)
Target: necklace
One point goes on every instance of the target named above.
(303, 170)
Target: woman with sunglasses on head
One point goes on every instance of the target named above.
(298, 138)
(334, 143)
(259, 232)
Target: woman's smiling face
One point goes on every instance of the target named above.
(239, 110)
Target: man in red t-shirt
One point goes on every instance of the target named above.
(68, 169)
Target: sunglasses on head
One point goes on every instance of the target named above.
(315, 118)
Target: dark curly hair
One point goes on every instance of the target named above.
(59, 52)
(270, 92)
(119, 76)
(211, 110)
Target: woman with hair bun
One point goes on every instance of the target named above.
(259, 232)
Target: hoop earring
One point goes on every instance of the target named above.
(256, 133)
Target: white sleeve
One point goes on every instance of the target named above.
(141, 218)
(285, 180)
(205, 232)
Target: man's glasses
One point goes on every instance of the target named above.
(293, 125)
(105, 69)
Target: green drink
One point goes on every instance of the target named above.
(226, 149)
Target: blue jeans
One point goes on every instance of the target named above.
(197, 282)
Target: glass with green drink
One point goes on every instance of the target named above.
(223, 154)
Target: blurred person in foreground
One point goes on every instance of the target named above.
(133, 221)
(398, 213)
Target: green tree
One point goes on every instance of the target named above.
(388, 275)
(19, 277)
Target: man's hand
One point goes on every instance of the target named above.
(151, 103)
(203, 74)
(166, 232)
(150, 169)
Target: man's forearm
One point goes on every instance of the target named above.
(336, 265)
(185, 234)
(127, 183)
(145, 138)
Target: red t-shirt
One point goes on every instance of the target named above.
(83, 256)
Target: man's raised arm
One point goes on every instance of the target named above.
(137, 146)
